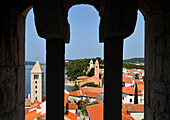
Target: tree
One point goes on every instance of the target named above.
(136, 76)
(75, 87)
(90, 84)
(91, 73)
(81, 103)
(136, 95)
(123, 84)
(76, 68)
(84, 110)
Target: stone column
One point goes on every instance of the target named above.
(12, 68)
(55, 49)
(113, 51)
(157, 65)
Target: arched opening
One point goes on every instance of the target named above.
(35, 70)
(133, 72)
(81, 55)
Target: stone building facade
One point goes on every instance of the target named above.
(37, 83)
(118, 19)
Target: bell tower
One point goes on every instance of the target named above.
(37, 83)
(91, 64)
(96, 68)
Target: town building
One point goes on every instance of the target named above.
(90, 93)
(37, 83)
(134, 110)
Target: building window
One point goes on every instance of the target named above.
(35, 98)
(35, 91)
(36, 76)
(35, 87)
(35, 81)
(123, 98)
(130, 100)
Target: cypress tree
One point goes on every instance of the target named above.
(136, 95)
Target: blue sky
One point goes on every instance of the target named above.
(84, 23)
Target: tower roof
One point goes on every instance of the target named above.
(37, 68)
(97, 62)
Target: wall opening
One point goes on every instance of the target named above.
(133, 73)
(84, 57)
(35, 71)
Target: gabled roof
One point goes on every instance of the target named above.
(93, 89)
(72, 106)
(66, 95)
(88, 91)
(32, 115)
(96, 111)
(131, 90)
(94, 79)
(128, 90)
(127, 80)
(133, 107)
(37, 68)
(76, 93)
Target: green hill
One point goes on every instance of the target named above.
(134, 60)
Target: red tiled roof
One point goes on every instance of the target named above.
(32, 115)
(128, 90)
(131, 90)
(96, 111)
(66, 95)
(76, 93)
(127, 80)
(94, 79)
(133, 107)
(43, 115)
(27, 110)
(90, 94)
(72, 106)
(70, 115)
(139, 82)
(88, 91)
(93, 89)
(125, 116)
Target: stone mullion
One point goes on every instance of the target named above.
(55, 49)
(113, 51)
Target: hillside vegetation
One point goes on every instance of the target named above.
(134, 60)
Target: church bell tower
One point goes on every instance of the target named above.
(37, 83)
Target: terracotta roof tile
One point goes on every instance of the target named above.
(96, 111)
(32, 115)
(127, 80)
(71, 106)
(88, 91)
(66, 95)
(133, 107)
(94, 79)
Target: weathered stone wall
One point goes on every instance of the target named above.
(157, 65)
(12, 73)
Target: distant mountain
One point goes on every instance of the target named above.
(134, 60)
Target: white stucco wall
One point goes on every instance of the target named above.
(72, 111)
(137, 116)
(128, 97)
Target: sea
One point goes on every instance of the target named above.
(28, 69)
